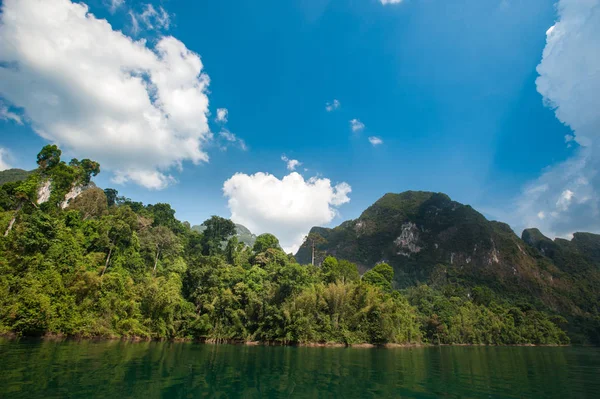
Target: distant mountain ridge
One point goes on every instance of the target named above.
(428, 238)
(13, 175)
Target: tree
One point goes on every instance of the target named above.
(90, 203)
(342, 270)
(90, 168)
(49, 157)
(236, 252)
(118, 232)
(314, 240)
(25, 191)
(86, 167)
(380, 276)
(162, 241)
(118, 235)
(264, 242)
(218, 230)
(111, 196)
(163, 214)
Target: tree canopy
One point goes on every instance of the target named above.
(107, 266)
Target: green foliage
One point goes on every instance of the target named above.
(380, 276)
(87, 167)
(48, 157)
(90, 203)
(450, 319)
(111, 196)
(264, 242)
(339, 271)
(27, 189)
(217, 230)
(111, 267)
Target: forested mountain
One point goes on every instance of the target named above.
(12, 175)
(76, 260)
(429, 239)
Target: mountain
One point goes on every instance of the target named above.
(416, 232)
(13, 175)
(242, 232)
(428, 238)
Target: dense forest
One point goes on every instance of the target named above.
(80, 261)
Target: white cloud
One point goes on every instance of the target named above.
(8, 115)
(149, 19)
(286, 207)
(291, 164)
(569, 81)
(541, 215)
(222, 114)
(135, 24)
(384, 2)
(3, 162)
(115, 4)
(227, 135)
(231, 139)
(356, 125)
(569, 138)
(332, 106)
(155, 19)
(375, 141)
(564, 200)
(137, 109)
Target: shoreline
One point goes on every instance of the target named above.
(212, 341)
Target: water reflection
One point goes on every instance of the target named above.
(45, 369)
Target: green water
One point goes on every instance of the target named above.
(43, 369)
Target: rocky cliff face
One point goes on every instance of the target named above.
(74, 193)
(45, 190)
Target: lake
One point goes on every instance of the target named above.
(116, 369)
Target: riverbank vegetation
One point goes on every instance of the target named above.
(101, 265)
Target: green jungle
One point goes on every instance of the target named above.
(80, 261)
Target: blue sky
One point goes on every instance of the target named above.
(448, 87)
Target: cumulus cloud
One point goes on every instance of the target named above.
(291, 164)
(375, 141)
(3, 162)
(384, 2)
(138, 109)
(286, 207)
(332, 106)
(231, 138)
(222, 114)
(567, 195)
(356, 125)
